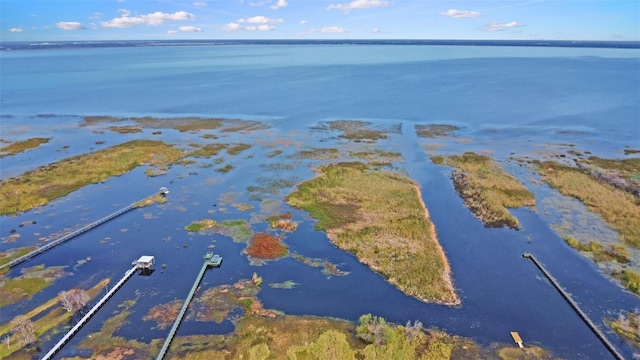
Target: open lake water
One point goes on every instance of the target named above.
(505, 99)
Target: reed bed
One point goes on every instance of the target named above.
(378, 215)
(21, 146)
(487, 189)
(40, 186)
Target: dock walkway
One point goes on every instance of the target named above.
(58, 346)
(612, 349)
(65, 238)
(209, 260)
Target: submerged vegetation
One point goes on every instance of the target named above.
(435, 130)
(378, 215)
(37, 187)
(618, 208)
(32, 281)
(21, 146)
(357, 130)
(627, 325)
(487, 189)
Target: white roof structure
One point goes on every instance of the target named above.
(145, 259)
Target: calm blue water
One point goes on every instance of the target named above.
(507, 99)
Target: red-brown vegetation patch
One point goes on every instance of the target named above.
(265, 246)
(164, 314)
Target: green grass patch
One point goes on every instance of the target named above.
(630, 279)
(435, 130)
(237, 149)
(200, 225)
(601, 252)
(618, 208)
(487, 189)
(627, 325)
(21, 146)
(378, 215)
(318, 154)
(226, 168)
(38, 187)
(12, 254)
(207, 151)
(31, 281)
(125, 129)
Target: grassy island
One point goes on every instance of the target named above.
(486, 188)
(618, 208)
(38, 187)
(21, 146)
(379, 216)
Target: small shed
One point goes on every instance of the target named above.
(145, 262)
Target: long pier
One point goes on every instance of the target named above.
(612, 349)
(208, 261)
(50, 245)
(58, 346)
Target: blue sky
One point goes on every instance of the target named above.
(47, 20)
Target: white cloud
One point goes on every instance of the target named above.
(200, 4)
(497, 26)
(263, 27)
(378, 31)
(256, 4)
(70, 25)
(232, 27)
(359, 4)
(303, 22)
(156, 18)
(334, 29)
(172, 32)
(189, 29)
(260, 20)
(279, 4)
(96, 15)
(454, 13)
(15, 30)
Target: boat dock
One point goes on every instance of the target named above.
(612, 349)
(50, 245)
(144, 263)
(210, 260)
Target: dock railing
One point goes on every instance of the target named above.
(50, 245)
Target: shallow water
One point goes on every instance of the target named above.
(505, 101)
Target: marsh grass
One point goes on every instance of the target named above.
(318, 154)
(358, 131)
(21, 146)
(237, 149)
(50, 321)
(601, 252)
(12, 254)
(618, 208)
(378, 215)
(627, 325)
(37, 187)
(435, 130)
(487, 189)
(183, 124)
(200, 225)
(31, 281)
(125, 129)
(630, 279)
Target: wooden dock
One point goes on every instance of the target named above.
(60, 344)
(210, 260)
(50, 245)
(612, 349)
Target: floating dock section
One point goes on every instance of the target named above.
(58, 346)
(209, 260)
(612, 349)
(50, 245)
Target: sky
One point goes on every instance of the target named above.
(76, 20)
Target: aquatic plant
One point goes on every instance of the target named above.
(487, 189)
(601, 252)
(379, 216)
(37, 187)
(265, 246)
(21, 146)
(237, 149)
(618, 208)
(627, 325)
(200, 225)
(435, 130)
(357, 130)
